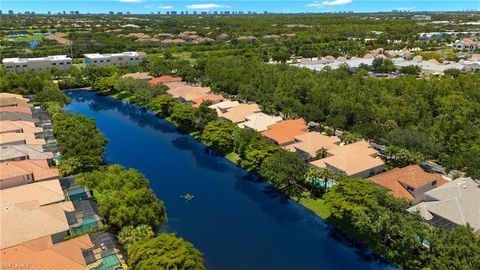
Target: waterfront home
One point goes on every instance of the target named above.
(223, 106)
(186, 92)
(454, 203)
(209, 97)
(410, 183)
(40, 193)
(358, 159)
(16, 109)
(44, 253)
(283, 133)
(24, 151)
(164, 79)
(16, 116)
(240, 112)
(309, 144)
(259, 121)
(8, 126)
(138, 76)
(16, 173)
(466, 44)
(14, 101)
(19, 138)
(27, 221)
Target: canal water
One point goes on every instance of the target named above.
(237, 221)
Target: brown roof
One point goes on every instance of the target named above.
(240, 112)
(24, 138)
(42, 254)
(38, 168)
(12, 101)
(215, 98)
(44, 192)
(19, 126)
(185, 91)
(165, 79)
(26, 221)
(352, 158)
(412, 175)
(10, 95)
(285, 131)
(16, 109)
(311, 142)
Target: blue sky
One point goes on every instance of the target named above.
(148, 6)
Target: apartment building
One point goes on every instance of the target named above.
(19, 65)
(117, 59)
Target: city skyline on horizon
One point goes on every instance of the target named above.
(191, 6)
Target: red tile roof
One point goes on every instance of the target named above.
(38, 168)
(17, 109)
(285, 131)
(164, 79)
(412, 175)
(212, 97)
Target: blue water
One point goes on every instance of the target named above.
(33, 44)
(237, 221)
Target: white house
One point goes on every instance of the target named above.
(466, 44)
(118, 59)
(61, 62)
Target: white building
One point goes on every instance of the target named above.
(61, 62)
(466, 44)
(117, 59)
(421, 18)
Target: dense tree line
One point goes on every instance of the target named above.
(381, 221)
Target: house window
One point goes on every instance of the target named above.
(136, 58)
(24, 65)
(54, 64)
(108, 60)
(131, 59)
(434, 183)
(61, 63)
(68, 63)
(120, 59)
(95, 61)
(101, 61)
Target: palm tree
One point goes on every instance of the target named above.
(311, 175)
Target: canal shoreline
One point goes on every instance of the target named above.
(347, 233)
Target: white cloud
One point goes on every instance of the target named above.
(165, 7)
(131, 1)
(205, 6)
(329, 3)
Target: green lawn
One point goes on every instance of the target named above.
(233, 157)
(317, 206)
(25, 39)
(96, 193)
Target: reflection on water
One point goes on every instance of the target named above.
(235, 219)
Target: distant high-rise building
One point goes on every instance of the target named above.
(168, 12)
(173, 12)
(159, 13)
(49, 13)
(204, 13)
(64, 12)
(240, 12)
(182, 13)
(10, 12)
(215, 12)
(265, 12)
(77, 12)
(226, 12)
(194, 13)
(119, 13)
(186, 12)
(128, 12)
(111, 12)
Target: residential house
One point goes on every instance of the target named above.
(239, 113)
(16, 116)
(410, 182)
(19, 138)
(25, 221)
(224, 106)
(165, 79)
(452, 204)
(358, 159)
(310, 143)
(186, 92)
(466, 44)
(283, 133)
(16, 109)
(260, 121)
(44, 253)
(209, 97)
(14, 101)
(16, 173)
(24, 151)
(8, 126)
(42, 193)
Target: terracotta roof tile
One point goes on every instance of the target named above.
(285, 131)
(164, 79)
(38, 168)
(215, 98)
(16, 109)
(185, 91)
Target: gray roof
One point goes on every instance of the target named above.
(11, 152)
(16, 116)
(457, 201)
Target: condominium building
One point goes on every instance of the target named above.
(117, 59)
(18, 65)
